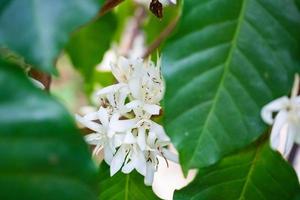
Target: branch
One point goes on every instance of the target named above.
(162, 36)
(108, 5)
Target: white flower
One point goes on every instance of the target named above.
(123, 69)
(113, 98)
(122, 126)
(104, 127)
(147, 85)
(288, 115)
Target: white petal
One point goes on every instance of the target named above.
(289, 142)
(103, 116)
(280, 120)
(91, 116)
(296, 130)
(140, 163)
(134, 86)
(128, 167)
(141, 138)
(160, 132)
(110, 89)
(108, 154)
(117, 161)
(274, 106)
(122, 125)
(152, 109)
(151, 139)
(129, 138)
(295, 89)
(134, 104)
(170, 155)
(94, 138)
(149, 174)
(118, 140)
(89, 124)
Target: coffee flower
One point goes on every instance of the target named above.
(123, 125)
(288, 115)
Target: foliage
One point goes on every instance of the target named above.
(223, 62)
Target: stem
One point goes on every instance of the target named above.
(108, 5)
(162, 36)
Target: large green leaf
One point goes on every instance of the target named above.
(38, 30)
(88, 45)
(227, 59)
(257, 173)
(123, 186)
(42, 153)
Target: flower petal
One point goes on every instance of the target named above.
(141, 138)
(170, 155)
(128, 167)
(134, 86)
(280, 121)
(149, 174)
(140, 162)
(122, 125)
(134, 104)
(89, 124)
(117, 161)
(129, 138)
(108, 154)
(103, 116)
(289, 141)
(94, 138)
(274, 106)
(91, 116)
(160, 132)
(152, 109)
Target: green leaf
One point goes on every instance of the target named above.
(227, 60)
(123, 186)
(256, 173)
(88, 45)
(42, 153)
(38, 30)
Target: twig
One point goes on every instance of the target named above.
(42, 77)
(163, 35)
(108, 5)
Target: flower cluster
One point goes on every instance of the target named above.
(123, 127)
(288, 115)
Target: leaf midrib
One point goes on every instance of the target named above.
(250, 172)
(127, 187)
(226, 70)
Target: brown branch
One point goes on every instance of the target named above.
(162, 36)
(42, 77)
(108, 5)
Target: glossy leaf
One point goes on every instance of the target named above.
(43, 156)
(88, 45)
(123, 186)
(227, 60)
(256, 173)
(38, 30)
